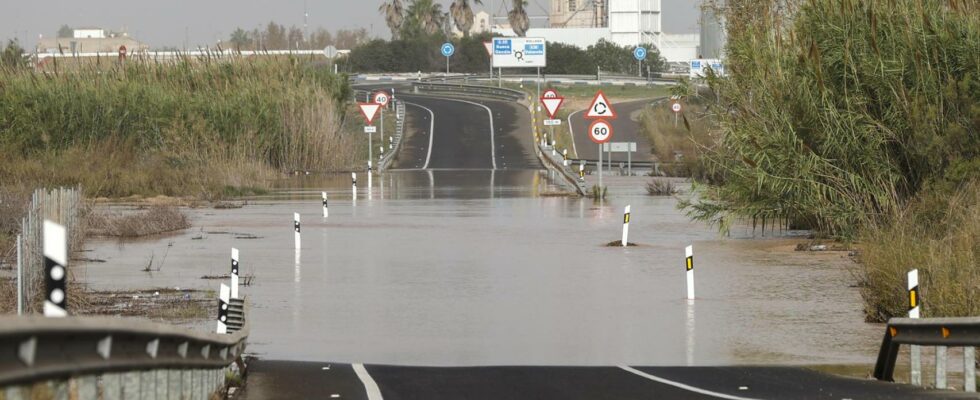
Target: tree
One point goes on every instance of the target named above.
(13, 56)
(65, 32)
(462, 15)
(518, 19)
(424, 17)
(239, 38)
(394, 14)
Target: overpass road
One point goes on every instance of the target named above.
(315, 380)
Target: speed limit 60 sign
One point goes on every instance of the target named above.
(600, 131)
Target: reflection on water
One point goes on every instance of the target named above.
(474, 268)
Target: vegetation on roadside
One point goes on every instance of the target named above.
(153, 221)
(859, 120)
(678, 146)
(192, 127)
(661, 187)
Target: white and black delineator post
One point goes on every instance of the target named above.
(689, 265)
(915, 352)
(326, 211)
(296, 229)
(55, 270)
(234, 273)
(626, 225)
(224, 297)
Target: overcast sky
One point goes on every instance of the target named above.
(203, 22)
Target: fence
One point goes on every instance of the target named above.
(62, 205)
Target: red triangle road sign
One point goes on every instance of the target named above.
(369, 110)
(489, 47)
(600, 107)
(551, 105)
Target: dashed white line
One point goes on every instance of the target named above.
(371, 387)
(682, 386)
(432, 131)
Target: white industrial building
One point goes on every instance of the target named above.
(624, 22)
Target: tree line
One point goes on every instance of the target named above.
(278, 37)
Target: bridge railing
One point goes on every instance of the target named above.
(82, 357)
(938, 332)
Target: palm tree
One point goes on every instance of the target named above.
(518, 18)
(394, 14)
(463, 15)
(427, 15)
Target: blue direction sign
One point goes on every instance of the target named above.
(448, 49)
(640, 53)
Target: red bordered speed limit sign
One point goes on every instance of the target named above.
(600, 131)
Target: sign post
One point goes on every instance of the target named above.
(600, 132)
(369, 111)
(489, 47)
(381, 98)
(676, 108)
(640, 54)
(552, 101)
(447, 50)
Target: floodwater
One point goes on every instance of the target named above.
(476, 268)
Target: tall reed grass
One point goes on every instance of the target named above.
(188, 127)
(837, 112)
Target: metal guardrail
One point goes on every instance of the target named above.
(35, 349)
(556, 163)
(939, 332)
(396, 142)
(457, 89)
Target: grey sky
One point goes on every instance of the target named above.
(203, 22)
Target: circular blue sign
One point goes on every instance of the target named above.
(448, 49)
(640, 53)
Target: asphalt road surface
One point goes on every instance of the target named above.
(625, 129)
(314, 380)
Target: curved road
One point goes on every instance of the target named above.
(625, 129)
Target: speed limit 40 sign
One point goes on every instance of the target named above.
(600, 131)
(380, 98)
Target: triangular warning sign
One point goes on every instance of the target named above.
(489, 47)
(551, 105)
(600, 107)
(369, 110)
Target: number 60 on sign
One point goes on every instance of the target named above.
(600, 131)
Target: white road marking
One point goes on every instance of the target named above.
(493, 146)
(432, 131)
(682, 386)
(373, 393)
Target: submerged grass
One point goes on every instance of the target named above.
(155, 220)
(190, 127)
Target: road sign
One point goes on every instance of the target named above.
(600, 107)
(369, 110)
(489, 47)
(676, 107)
(550, 93)
(552, 122)
(517, 52)
(551, 104)
(447, 49)
(640, 53)
(600, 131)
(330, 51)
(370, 129)
(122, 52)
(619, 147)
(380, 98)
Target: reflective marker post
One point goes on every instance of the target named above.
(689, 265)
(223, 300)
(296, 229)
(626, 226)
(234, 273)
(326, 211)
(915, 352)
(55, 269)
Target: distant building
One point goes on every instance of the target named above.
(481, 24)
(578, 14)
(91, 40)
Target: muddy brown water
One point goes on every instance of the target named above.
(475, 268)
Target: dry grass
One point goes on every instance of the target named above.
(940, 237)
(679, 146)
(155, 220)
(661, 187)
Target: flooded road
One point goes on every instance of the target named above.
(461, 268)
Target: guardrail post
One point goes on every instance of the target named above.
(205, 393)
(112, 386)
(13, 393)
(131, 385)
(970, 369)
(940, 367)
(173, 384)
(88, 387)
(161, 383)
(59, 390)
(148, 389)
